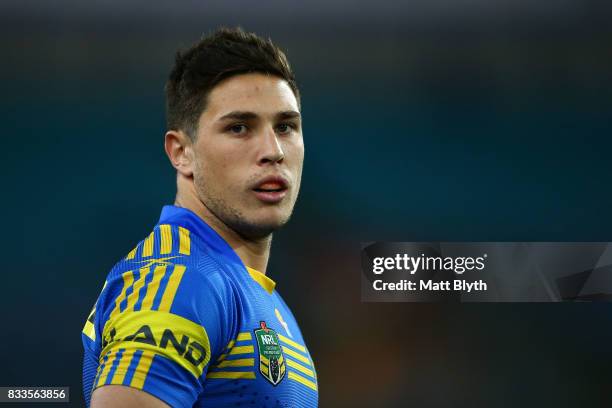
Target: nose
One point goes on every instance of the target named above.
(271, 150)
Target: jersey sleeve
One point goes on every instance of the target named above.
(158, 327)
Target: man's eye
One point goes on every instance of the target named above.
(284, 128)
(238, 129)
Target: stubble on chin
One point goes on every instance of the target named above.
(232, 217)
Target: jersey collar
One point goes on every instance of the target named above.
(265, 282)
(186, 218)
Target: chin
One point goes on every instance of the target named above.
(255, 231)
(270, 224)
(261, 227)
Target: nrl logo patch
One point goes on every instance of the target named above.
(271, 360)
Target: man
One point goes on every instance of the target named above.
(189, 317)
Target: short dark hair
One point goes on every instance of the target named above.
(225, 53)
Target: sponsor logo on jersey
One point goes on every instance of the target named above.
(172, 336)
(271, 359)
(189, 349)
(157, 261)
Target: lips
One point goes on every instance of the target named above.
(271, 189)
(271, 183)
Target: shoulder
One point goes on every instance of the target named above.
(169, 265)
(167, 281)
(168, 308)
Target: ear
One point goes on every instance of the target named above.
(179, 150)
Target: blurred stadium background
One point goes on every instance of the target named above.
(429, 120)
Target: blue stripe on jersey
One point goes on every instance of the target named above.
(129, 290)
(143, 290)
(175, 239)
(138, 253)
(104, 361)
(111, 373)
(156, 241)
(162, 287)
(132, 368)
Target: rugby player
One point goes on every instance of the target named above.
(189, 318)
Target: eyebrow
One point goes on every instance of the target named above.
(289, 115)
(245, 115)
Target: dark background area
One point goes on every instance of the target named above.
(434, 120)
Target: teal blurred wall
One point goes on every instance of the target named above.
(485, 120)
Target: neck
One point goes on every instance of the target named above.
(253, 253)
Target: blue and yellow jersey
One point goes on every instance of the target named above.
(182, 318)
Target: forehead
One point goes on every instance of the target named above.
(258, 93)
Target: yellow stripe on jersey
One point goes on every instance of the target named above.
(128, 279)
(109, 363)
(97, 376)
(292, 343)
(296, 377)
(233, 375)
(141, 372)
(122, 368)
(98, 372)
(244, 336)
(147, 247)
(133, 297)
(229, 346)
(241, 350)
(153, 287)
(166, 239)
(132, 253)
(89, 329)
(161, 333)
(295, 355)
(300, 368)
(184, 241)
(171, 288)
(263, 281)
(242, 362)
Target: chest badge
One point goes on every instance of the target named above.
(271, 360)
